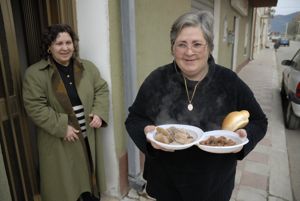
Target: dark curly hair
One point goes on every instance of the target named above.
(51, 33)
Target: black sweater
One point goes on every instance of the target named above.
(162, 99)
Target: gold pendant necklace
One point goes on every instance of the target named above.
(190, 106)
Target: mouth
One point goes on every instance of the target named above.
(65, 54)
(190, 60)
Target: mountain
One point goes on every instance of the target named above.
(278, 22)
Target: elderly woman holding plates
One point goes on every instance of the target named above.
(192, 90)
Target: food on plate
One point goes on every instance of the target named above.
(163, 138)
(162, 135)
(218, 141)
(173, 135)
(181, 136)
(235, 120)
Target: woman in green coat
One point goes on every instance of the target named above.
(68, 101)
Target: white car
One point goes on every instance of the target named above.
(290, 91)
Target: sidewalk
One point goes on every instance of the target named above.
(264, 174)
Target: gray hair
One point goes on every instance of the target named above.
(202, 19)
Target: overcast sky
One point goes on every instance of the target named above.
(285, 7)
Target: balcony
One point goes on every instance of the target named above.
(263, 3)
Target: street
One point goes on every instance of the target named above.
(292, 136)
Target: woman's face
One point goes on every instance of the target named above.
(191, 53)
(62, 48)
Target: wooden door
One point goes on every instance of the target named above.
(14, 136)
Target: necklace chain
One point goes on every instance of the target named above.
(190, 105)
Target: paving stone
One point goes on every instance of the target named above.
(254, 180)
(258, 157)
(251, 194)
(258, 168)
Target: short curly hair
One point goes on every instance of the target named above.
(50, 34)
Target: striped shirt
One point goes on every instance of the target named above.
(79, 112)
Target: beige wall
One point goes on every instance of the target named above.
(153, 23)
(243, 53)
(115, 41)
(225, 50)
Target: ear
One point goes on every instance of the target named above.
(172, 50)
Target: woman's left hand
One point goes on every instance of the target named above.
(96, 121)
(241, 132)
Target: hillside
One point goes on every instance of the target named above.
(278, 23)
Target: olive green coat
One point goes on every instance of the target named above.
(64, 170)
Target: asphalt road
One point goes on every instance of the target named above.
(292, 136)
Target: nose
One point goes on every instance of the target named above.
(64, 46)
(189, 50)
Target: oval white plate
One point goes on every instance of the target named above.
(240, 142)
(195, 131)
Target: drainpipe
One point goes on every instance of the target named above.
(130, 85)
(253, 34)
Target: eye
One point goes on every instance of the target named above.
(58, 43)
(197, 45)
(181, 45)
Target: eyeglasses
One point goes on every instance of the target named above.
(195, 47)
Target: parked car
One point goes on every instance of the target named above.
(290, 91)
(275, 38)
(284, 42)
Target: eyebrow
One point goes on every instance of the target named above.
(194, 41)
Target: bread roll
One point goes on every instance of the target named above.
(236, 120)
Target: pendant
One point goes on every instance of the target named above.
(190, 107)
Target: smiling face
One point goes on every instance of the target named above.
(191, 53)
(62, 48)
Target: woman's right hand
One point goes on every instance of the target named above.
(71, 135)
(151, 128)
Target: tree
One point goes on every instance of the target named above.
(294, 26)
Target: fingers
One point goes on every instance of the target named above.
(72, 138)
(149, 128)
(71, 135)
(95, 122)
(242, 133)
(156, 146)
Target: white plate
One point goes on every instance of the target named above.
(194, 131)
(240, 142)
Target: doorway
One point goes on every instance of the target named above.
(14, 136)
(21, 25)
